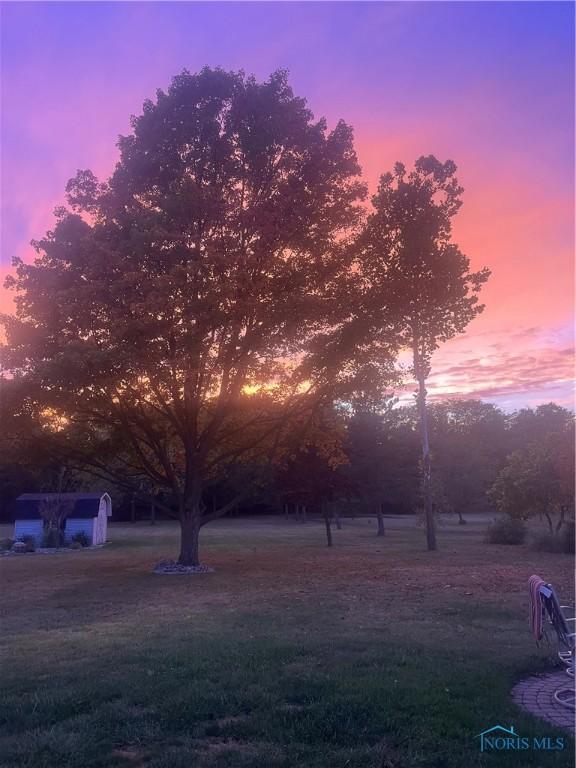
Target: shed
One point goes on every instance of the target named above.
(86, 512)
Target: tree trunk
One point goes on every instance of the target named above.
(461, 520)
(328, 524)
(152, 513)
(427, 477)
(561, 520)
(132, 511)
(380, 517)
(189, 535)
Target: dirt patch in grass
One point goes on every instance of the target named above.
(225, 722)
(227, 744)
(294, 707)
(390, 757)
(216, 746)
(135, 756)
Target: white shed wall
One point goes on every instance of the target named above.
(100, 525)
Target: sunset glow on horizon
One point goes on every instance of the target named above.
(488, 85)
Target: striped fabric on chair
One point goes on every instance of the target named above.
(535, 583)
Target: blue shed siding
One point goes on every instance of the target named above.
(29, 528)
(75, 525)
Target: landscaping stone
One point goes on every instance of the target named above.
(536, 695)
(171, 566)
(19, 547)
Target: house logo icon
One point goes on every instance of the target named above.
(498, 737)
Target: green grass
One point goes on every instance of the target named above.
(374, 654)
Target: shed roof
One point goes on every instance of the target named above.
(85, 505)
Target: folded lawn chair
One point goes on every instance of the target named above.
(546, 609)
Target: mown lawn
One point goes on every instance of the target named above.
(374, 654)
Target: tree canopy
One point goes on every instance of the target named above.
(221, 316)
(538, 478)
(416, 280)
(207, 264)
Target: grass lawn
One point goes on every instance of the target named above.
(374, 654)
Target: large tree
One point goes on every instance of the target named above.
(207, 266)
(416, 278)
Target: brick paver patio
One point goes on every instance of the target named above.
(536, 694)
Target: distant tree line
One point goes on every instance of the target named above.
(485, 460)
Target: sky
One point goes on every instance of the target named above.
(489, 85)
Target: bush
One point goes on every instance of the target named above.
(82, 538)
(6, 544)
(75, 545)
(506, 531)
(29, 541)
(52, 538)
(561, 542)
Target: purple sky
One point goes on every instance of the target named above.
(489, 85)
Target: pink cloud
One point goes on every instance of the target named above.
(531, 364)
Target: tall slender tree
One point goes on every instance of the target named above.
(206, 264)
(415, 277)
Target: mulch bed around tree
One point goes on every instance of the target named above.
(172, 567)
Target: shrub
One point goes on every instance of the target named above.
(6, 544)
(506, 531)
(29, 541)
(52, 538)
(75, 545)
(82, 538)
(562, 542)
